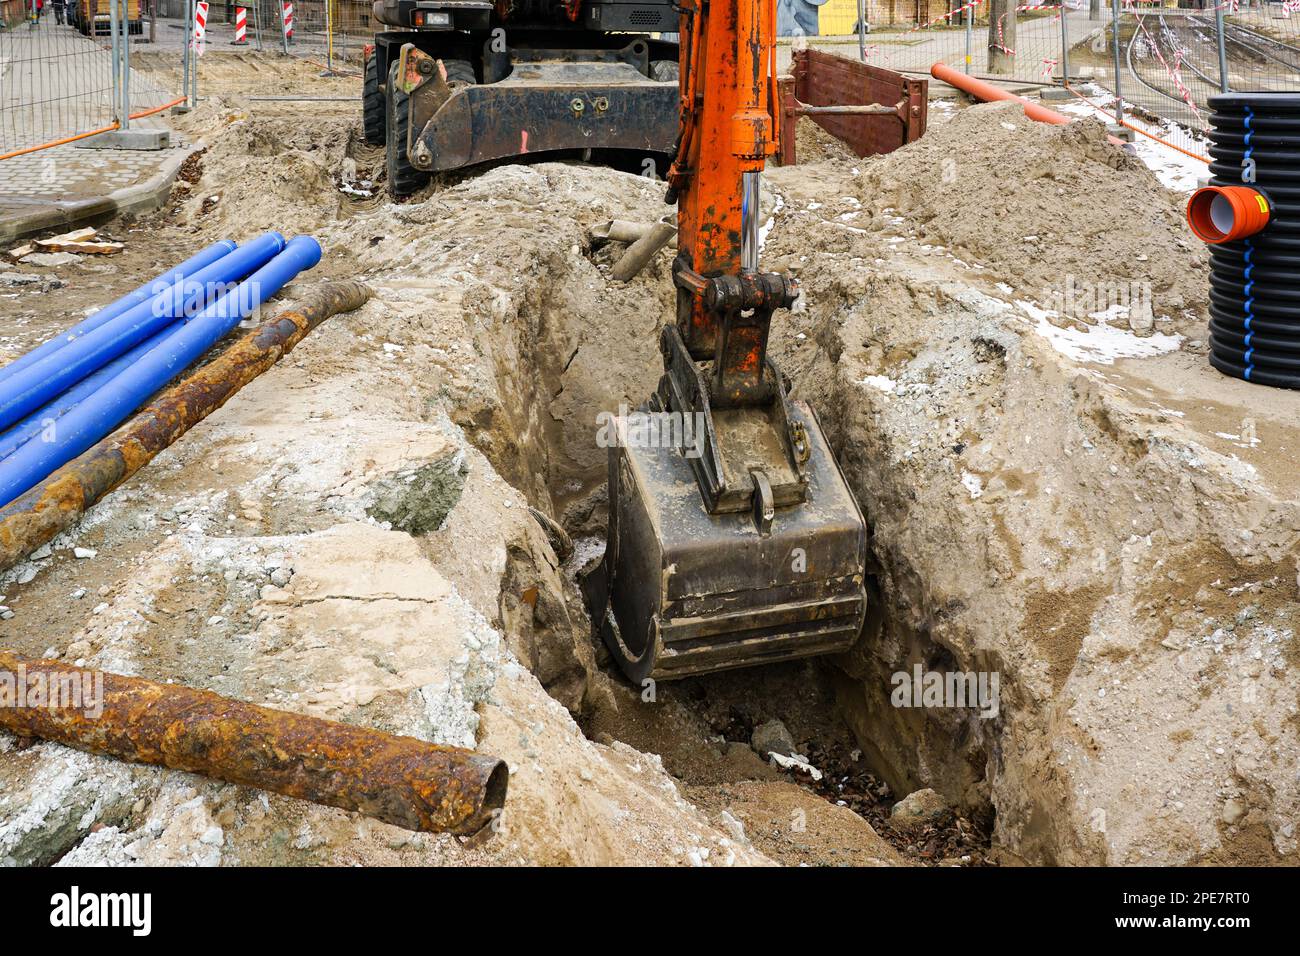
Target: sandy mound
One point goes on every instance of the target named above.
(1097, 517)
(1038, 204)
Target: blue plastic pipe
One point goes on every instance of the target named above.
(211, 254)
(96, 416)
(34, 386)
(42, 418)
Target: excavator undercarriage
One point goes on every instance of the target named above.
(458, 83)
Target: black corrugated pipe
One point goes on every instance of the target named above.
(1250, 216)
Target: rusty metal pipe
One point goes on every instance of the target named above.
(52, 506)
(871, 109)
(639, 254)
(400, 780)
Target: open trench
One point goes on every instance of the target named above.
(561, 343)
(562, 363)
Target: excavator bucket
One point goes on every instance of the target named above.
(734, 539)
(683, 591)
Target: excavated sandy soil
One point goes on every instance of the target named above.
(1065, 495)
(1094, 514)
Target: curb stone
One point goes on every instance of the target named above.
(43, 214)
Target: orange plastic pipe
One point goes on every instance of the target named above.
(94, 132)
(158, 109)
(58, 142)
(987, 92)
(1227, 213)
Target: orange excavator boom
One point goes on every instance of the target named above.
(738, 541)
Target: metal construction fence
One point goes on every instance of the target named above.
(989, 37)
(332, 31)
(65, 72)
(1151, 64)
(1165, 63)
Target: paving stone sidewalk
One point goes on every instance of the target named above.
(66, 185)
(52, 85)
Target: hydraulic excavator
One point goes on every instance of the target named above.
(456, 83)
(738, 542)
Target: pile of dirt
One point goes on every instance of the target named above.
(1093, 515)
(1037, 204)
(339, 539)
(814, 145)
(269, 170)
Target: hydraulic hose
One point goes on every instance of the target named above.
(211, 254)
(30, 388)
(97, 415)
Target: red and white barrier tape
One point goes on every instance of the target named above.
(1175, 71)
(1023, 8)
(951, 13)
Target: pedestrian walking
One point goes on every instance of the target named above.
(60, 11)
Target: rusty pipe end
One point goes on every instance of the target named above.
(1227, 213)
(482, 823)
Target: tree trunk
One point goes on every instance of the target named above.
(1002, 36)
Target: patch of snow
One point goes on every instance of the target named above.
(1101, 343)
(777, 204)
(795, 762)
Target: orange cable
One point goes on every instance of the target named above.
(59, 142)
(1137, 129)
(158, 109)
(94, 132)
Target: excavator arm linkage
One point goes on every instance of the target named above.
(738, 542)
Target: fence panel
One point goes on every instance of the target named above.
(55, 80)
(1167, 59)
(60, 70)
(1002, 39)
(330, 31)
